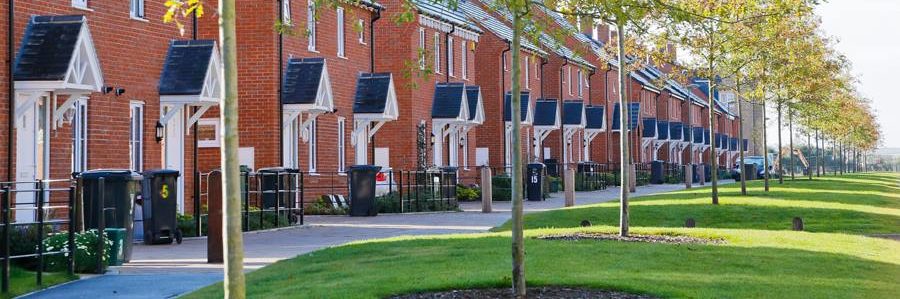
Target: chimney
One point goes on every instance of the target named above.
(587, 26)
(603, 33)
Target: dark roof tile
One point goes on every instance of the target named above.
(47, 48)
(184, 70)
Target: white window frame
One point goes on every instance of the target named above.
(313, 144)
(80, 136)
(464, 59)
(341, 48)
(311, 25)
(341, 144)
(537, 70)
(580, 82)
(286, 12)
(290, 144)
(421, 48)
(83, 4)
(450, 56)
(362, 31)
(210, 122)
(465, 138)
(437, 52)
(527, 63)
(136, 9)
(569, 78)
(136, 136)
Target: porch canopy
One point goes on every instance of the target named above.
(546, 120)
(595, 116)
(306, 88)
(526, 113)
(573, 121)
(634, 111)
(56, 57)
(191, 76)
(374, 104)
(449, 115)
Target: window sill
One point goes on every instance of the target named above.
(140, 19)
(313, 173)
(343, 57)
(84, 8)
(313, 50)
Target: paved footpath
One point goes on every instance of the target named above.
(166, 271)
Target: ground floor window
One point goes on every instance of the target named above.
(341, 145)
(313, 146)
(136, 133)
(79, 136)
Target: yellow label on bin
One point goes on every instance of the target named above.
(164, 191)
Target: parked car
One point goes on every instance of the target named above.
(760, 169)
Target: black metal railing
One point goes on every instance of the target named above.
(52, 210)
(269, 200)
(406, 191)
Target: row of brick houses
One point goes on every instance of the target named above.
(100, 84)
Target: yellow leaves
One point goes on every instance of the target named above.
(178, 10)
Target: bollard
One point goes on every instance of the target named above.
(214, 239)
(486, 187)
(797, 224)
(570, 187)
(690, 222)
(702, 170)
(688, 176)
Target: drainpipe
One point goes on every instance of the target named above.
(372, 69)
(194, 159)
(591, 102)
(562, 115)
(544, 61)
(503, 96)
(10, 86)
(280, 80)
(608, 106)
(447, 58)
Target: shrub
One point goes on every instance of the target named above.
(500, 187)
(323, 206)
(464, 193)
(85, 251)
(186, 225)
(554, 184)
(588, 181)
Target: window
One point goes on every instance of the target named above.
(311, 24)
(527, 63)
(341, 145)
(313, 146)
(421, 48)
(208, 132)
(136, 137)
(290, 143)
(580, 82)
(79, 136)
(137, 9)
(362, 32)
(569, 78)
(537, 69)
(465, 149)
(450, 56)
(285, 12)
(463, 52)
(340, 32)
(80, 3)
(437, 52)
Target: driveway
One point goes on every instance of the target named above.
(170, 270)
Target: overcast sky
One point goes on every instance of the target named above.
(869, 34)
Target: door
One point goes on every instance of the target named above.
(173, 150)
(32, 156)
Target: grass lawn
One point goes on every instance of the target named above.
(856, 204)
(22, 281)
(753, 263)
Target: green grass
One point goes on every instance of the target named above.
(754, 263)
(22, 282)
(762, 257)
(856, 204)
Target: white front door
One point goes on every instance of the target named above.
(32, 155)
(362, 145)
(173, 150)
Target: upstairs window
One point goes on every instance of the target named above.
(421, 48)
(527, 63)
(450, 56)
(437, 52)
(464, 60)
(340, 32)
(361, 35)
(569, 78)
(137, 9)
(80, 4)
(285, 12)
(311, 25)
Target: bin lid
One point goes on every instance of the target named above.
(534, 165)
(449, 168)
(277, 170)
(364, 168)
(160, 172)
(111, 173)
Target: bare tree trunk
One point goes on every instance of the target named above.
(234, 243)
(713, 156)
(741, 138)
(518, 223)
(623, 135)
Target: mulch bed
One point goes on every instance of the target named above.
(662, 239)
(540, 292)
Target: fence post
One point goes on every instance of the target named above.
(486, 190)
(5, 211)
(570, 187)
(40, 220)
(101, 224)
(197, 202)
(300, 189)
(72, 224)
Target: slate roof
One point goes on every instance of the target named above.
(47, 48)
(643, 80)
(448, 100)
(184, 70)
(675, 130)
(634, 111)
(507, 114)
(566, 25)
(440, 9)
(472, 94)
(596, 116)
(649, 128)
(301, 80)
(495, 26)
(371, 92)
(545, 112)
(662, 130)
(573, 112)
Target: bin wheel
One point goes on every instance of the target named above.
(178, 236)
(292, 218)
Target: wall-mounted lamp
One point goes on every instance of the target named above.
(107, 89)
(433, 139)
(120, 91)
(160, 132)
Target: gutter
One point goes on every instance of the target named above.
(562, 115)
(503, 95)
(372, 68)
(447, 50)
(280, 51)
(10, 86)
(544, 61)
